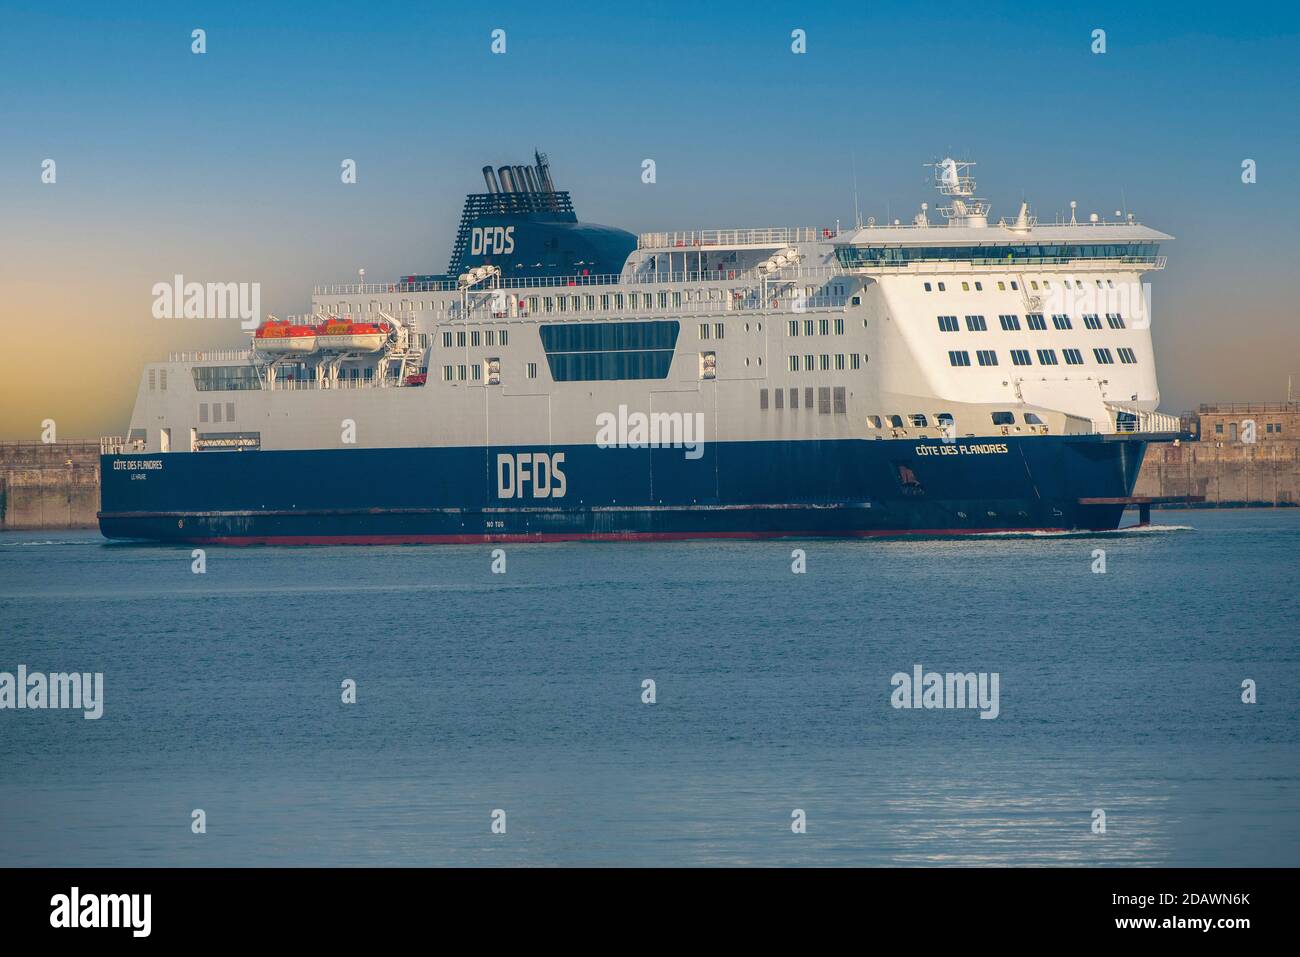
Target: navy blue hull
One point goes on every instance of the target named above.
(840, 488)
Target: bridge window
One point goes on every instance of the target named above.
(997, 254)
(584, 352)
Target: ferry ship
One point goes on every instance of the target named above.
(565, 380)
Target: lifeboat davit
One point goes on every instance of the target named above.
(339, 335)
(284, 337)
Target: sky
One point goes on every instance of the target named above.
(225, 166)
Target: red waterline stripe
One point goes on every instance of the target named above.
(586, 537)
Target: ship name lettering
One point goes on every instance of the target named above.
(983, 448)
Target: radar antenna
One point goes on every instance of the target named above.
(953, 178)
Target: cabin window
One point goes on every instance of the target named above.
(609, 350)
(895, 421)
(975, 324)
(1020, 357)
(1073, 357)
(1047, 357)
(874, 421)
(1104, 356)
(1010, 323)
(225, 378)
(1004, 418)
(986, 357)
(947, 323)
(959, 357)
(919, 420)
(1031, 418)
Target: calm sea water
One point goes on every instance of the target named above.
(522, 692)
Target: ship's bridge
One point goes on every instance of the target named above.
(900, 245)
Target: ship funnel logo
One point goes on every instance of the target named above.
(179, 299)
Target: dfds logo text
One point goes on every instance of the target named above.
(530, 474)
(489, 240)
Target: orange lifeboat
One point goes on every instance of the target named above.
(284, 337)
(340, 335)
